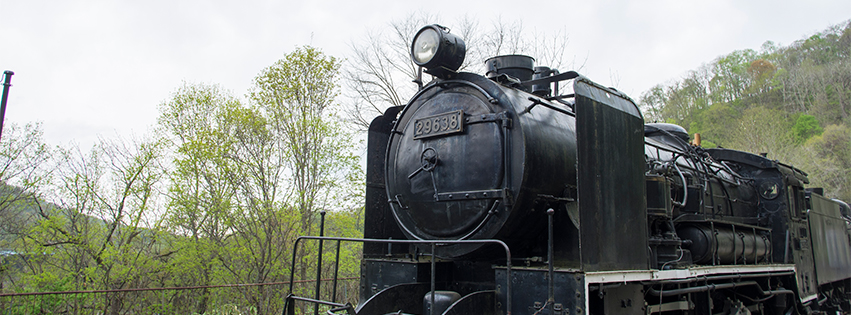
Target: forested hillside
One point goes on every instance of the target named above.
(792, 102)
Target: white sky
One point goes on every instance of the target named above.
(100, 68)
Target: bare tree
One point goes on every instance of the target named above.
(379, 73)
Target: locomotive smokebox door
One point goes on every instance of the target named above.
(448, 172)
(610, 175)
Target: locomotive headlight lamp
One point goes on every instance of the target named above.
(438, 51)
(425, 46)
(769, 190)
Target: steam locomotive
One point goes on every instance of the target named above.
(532, 191)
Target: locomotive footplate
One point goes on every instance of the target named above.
(377, 275)
(530, 290)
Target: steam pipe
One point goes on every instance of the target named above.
(711, 287)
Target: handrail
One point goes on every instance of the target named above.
(433, 244)
(215, 286)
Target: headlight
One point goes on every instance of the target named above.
(769, 189)
(438, 51)
(425, 46)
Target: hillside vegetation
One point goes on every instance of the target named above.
(792, 102)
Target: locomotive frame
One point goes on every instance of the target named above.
(539, 201)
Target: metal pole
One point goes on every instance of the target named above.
(433, 270)
(336, 272)
(550, 284)
(6, 84)
(319, 264)
(289, 303)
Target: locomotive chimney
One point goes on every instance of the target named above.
(519, 67)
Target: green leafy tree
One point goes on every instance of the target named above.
(730, 78)
(296, 97)
(652, 103)
(201, 193)
(25, 169)
(262, 227)
(716, 123)
(100, 231)
(806, 126)
(246, 180)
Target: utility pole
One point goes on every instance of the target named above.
(6, 84)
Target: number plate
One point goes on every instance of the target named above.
(438, 125)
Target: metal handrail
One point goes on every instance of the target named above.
(433, 244)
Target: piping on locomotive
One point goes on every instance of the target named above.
(533, 191)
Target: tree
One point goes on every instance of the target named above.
(100, 231)
(296, 94)
(247, 179)
(287, 159)
(729, 76)
(831, 152)
(380, 71)
(761, 72)
(815, 75)
(680, 102)
(652, 102)
(24, 171)
(263, 225)
(763, 130)
(806, 126)
(194, 122)
(716, 124)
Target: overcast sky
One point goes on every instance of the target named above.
(100, 68)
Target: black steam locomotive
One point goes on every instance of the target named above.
(530, 191)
